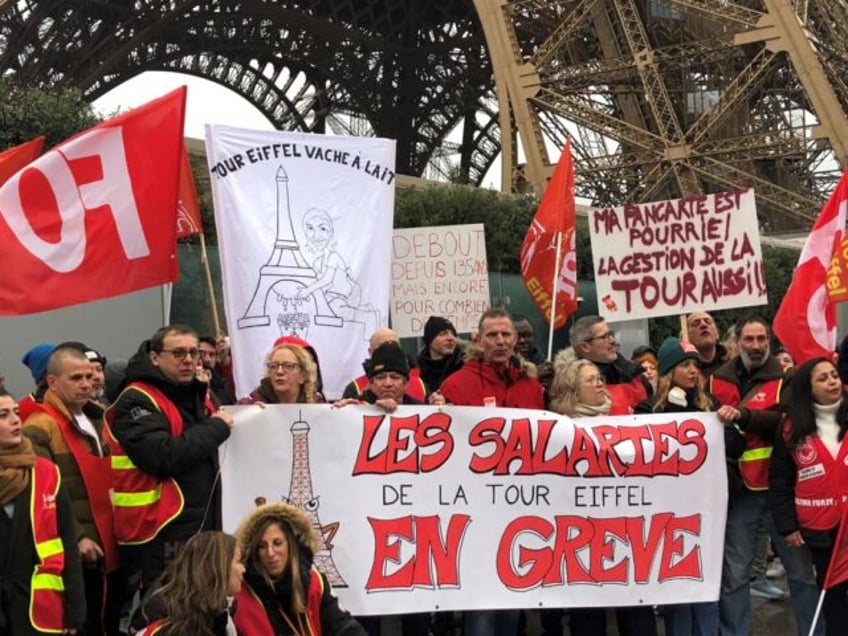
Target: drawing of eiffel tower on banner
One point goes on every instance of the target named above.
(301, 495)
(286, 270)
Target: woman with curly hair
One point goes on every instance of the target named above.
(289, 378)
(578, 390)
(283, 592)
(193, 594)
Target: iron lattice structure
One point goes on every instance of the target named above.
(663, 98)
(408, 70)
(669, 98)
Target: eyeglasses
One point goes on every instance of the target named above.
(180, 354)
(288, 367)
(595, 380)
(609, 336)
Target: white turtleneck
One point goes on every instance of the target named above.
(827, 426)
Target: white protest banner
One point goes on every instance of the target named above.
(304, 227)
(674, 257)
(439, 271)
(473, 508)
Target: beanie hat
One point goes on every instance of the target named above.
(36, 359)
(672, 352)
(388, 357)
(434, 326)
(643, 353)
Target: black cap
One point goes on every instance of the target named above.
(434, 326)
(388, 357)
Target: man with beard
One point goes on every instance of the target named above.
(703, 333)
(748, 387)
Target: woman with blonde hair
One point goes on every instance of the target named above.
(283, 591)
(578, 390)
(193, 594)
(289, 378)
(681, 389)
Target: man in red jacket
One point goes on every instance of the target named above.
(494, 376)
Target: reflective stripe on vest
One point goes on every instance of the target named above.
(143, 504)
(154, 628)
(46, 601)
(754, 462)
(251, 617)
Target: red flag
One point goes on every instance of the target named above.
(805, 322)
(15, 158)
(188, 210)
(556, 214)
(837, 571)
(95, 216)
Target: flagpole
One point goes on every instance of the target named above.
(204, 258)
(554, 295)
(818, 611)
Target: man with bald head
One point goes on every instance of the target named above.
(415, 389)
(703, 333)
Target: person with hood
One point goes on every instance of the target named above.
(494, 376)
(193, 595)
(165, 436)
(681, 388)
(283, 592)
(37, 539)
(289, 378)
(441, 354)
(592, 339)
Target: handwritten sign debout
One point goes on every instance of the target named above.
(439, 271)
(674, 257)
(463, 508)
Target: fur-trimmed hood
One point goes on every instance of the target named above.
(301, 524)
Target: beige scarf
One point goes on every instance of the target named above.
(585, 410)
(15, 465)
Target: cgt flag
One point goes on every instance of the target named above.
(95, 216)
(805, 322)
(16, 158)
(539, 258)
(188, 210)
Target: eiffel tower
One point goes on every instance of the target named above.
(301, 495)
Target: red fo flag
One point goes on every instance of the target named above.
(837, 571)
(188, 210)
(538, 252)
(14, 159)
(805, 322)
(95, 216)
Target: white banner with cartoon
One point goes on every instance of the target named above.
(472, 508)
(305, 230)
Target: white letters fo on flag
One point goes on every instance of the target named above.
(113, 193)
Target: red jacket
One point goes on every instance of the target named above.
(479, 383)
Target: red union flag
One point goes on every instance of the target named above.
(555, 215)
(188, 210)
(805, 322)
(95, 216)
(14, 159)
(837, 570)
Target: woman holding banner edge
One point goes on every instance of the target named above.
(808, 469)
(578, 390)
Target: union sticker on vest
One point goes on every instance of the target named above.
(810, 472)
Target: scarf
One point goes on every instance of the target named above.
(15, 464)
(585, 410)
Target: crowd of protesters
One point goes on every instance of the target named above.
(110, 483)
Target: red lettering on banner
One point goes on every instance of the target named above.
(524, 448)
(431, 432)
(597, 550)
(431, 554)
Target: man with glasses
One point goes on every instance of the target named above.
(593, 339)
(164, 452)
